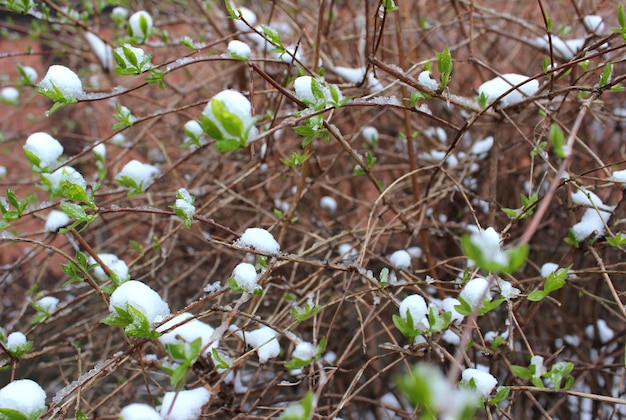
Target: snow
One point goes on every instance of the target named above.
(537, 362)
(100, 150)
(101, 49)
(134, 24)
(548, 268)
(605, 333)
(265, 339)
(425, 79)
(488, 241)
(56, 220)
(586, 198)
(248, 15)
(141, 173)
(619, 177)
(15, 340)
(48, 303)
(347, 252)
(143, 298)
(239, 49)
(594, 23)
(260, 240)
(448, 305)
(436, 133)
(328, 203)
(112, 261)
(64, 174)
(350, 74)
(65, 80)
(10, 95)
(400, 259)
(138, 411)
(485, 382)
(370, 134)
(304, 351)
(496, 87)
(416, 306)
(246, 277)
(475, 291)
(302, 86)
(31, 74)
(25, 396)
(562, 49)
(46, 148)
(119, 13)
(482, 146)
(507, 290)
(592, 223)
(184, 405)
(188, 331)
(194, 128)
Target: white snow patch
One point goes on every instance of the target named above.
(185, 404)
(64, 174)
(483, 146)
(115, 264)
(139, 411)
(141, 173)
(248, 15)
(400, 259)
(370, 134)
(246, 277)
(594, 23)
(485, 382)
(188, 331)
(236, 103)
(548, 268)
(605, 333)
(475, 292)
(448, 305)
(416, 306)
(426, 80)
(328, 203)
(25, 396)
(352, 75)
(134, 24)
(260, 240)
(239, 49)
(15, 340)
(565, 50)
(619, 177)
(101, 49)
(10, 95)
(30, 73)
(48, 303)
(100, 150)
(56, 219)
(304, 351)
(586, 198)
(265, 338)
(139, 54)
(46, 148)
(592, 223)
(496, 87)
(143, 298)
(63, 79)
(537, 362)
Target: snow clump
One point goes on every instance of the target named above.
(565, 50)
(9, 95)
(139, 411)
(619, 177)
(260, 240)
(496, 87)
(112, 261)
(605, 333)
(189, 330)
(239, 49)
(328, 203)
(25, 396)
(66, 174)
(43, 150)
(246, 277)
(140, 173)
(587, 198)
(139, 54)
(416, 306)
(488, 241)
(475, 292)
(303, 87)
(304, 351)
(235, 103)
(594, 23)
(448, 305)
(548, 268)
(425, 79)
(29, 74)
(48, 303)
(185, 404)
(143, 298)
(400, 259)
(370, 134)
(248, 15)
(65, 80)
(591, 225)
(484, 381)
(101, 49)
(15, 340)
(140, 25)
(265, 338)
(56, 219)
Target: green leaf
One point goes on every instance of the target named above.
(296, 363)
(11, 414)
(537, 295)
(621, 16)
(501, 395)
(210, 128)
(273, 36)
(521, 372)
(231, 122)
(557, 139)
(606, 75)
(221, 363)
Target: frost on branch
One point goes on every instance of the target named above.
(260, 240)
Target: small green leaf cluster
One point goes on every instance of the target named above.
(20, 6)
(296, 159)
(554, 281)
(12, 414)
(124, 117)
(183, 207)
(370, 161)
(389, 6)
(512, 259)
(617, 240)
(437, 323)
(43, 313)
(527, 209)
(19, 206)
(559, 371)
(131, 60)
(16, 352)
(77, 269)
(621, 18)
(132, 320)
(487, 306)
(297, 363)
(56, 96)
(301, 313)
(227, 128)
(185, 354)
(557, 139)
(274, 38)
(313, 128)
(444, 65)
(300, 411)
